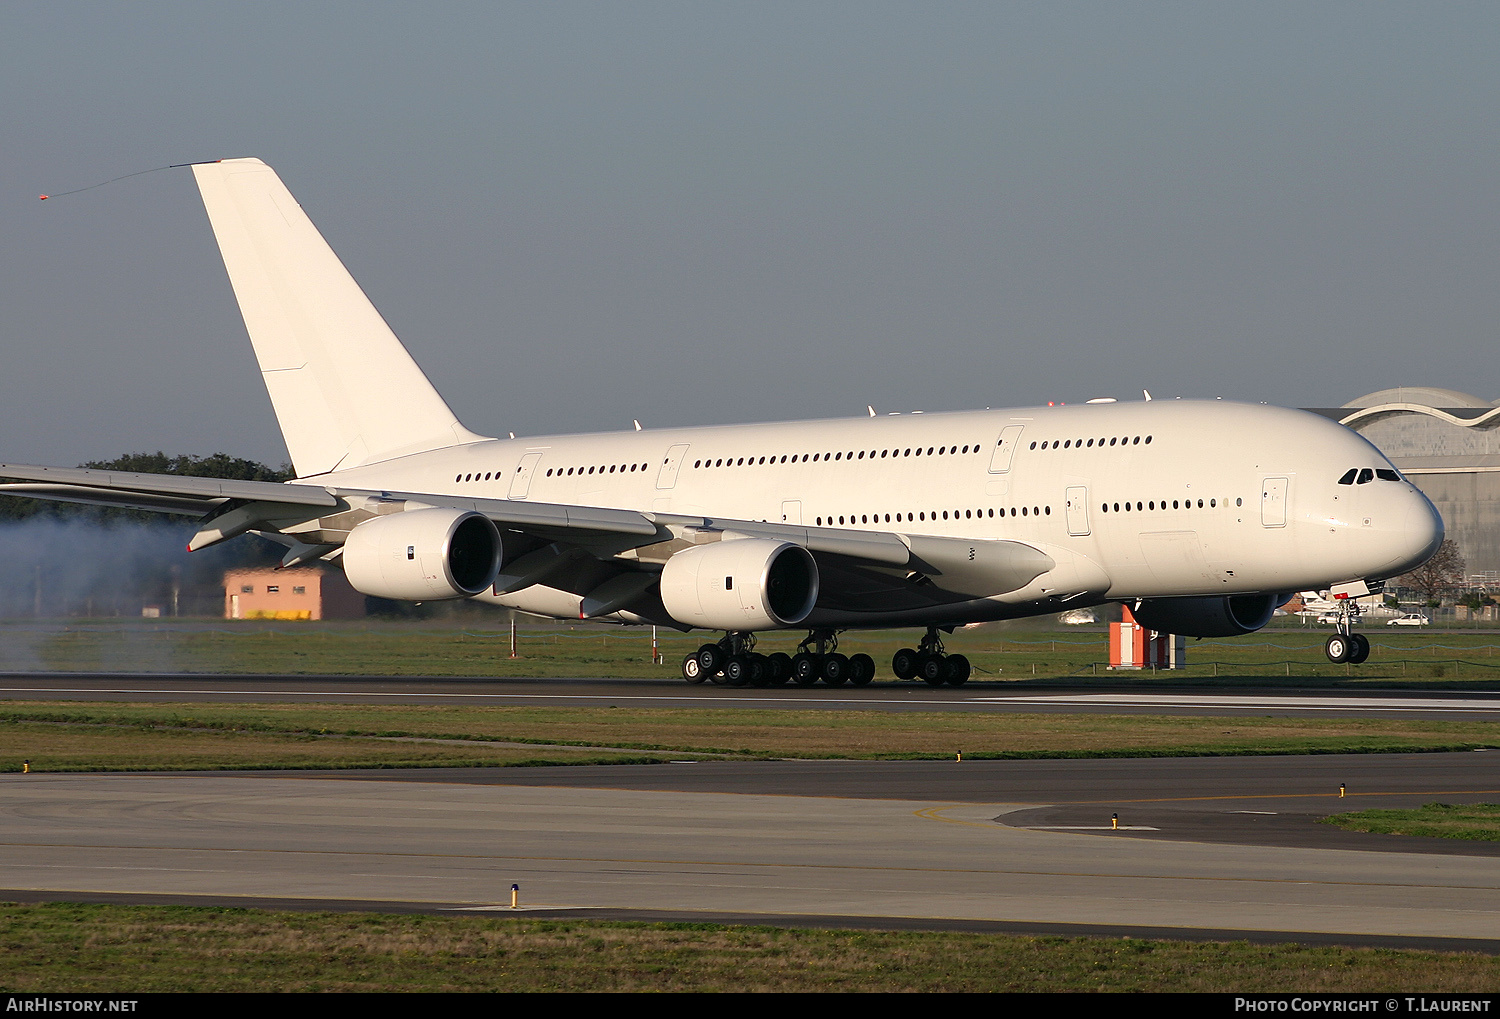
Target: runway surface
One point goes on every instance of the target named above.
(1210, 847)
(1117, 698)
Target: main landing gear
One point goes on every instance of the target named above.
(931, 662)
(1345, 645)
(732, 661)
(817, 658)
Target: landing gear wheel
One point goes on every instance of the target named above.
(760, 671)
(778, 668)
(1338, 648)
(737, 670)
(690, 670)
(959, 670)
(1361, 649)
(904, 663)
(711, 659)
(835, 669)
(806, 668)
(861, 670)
(931, 668)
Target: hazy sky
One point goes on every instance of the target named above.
(576, 214)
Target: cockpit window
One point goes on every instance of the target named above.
(1385, 474)
(1365, 476)
(1348, 478)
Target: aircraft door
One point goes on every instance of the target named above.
(1273, 502)
(1005, 448)
(791, 511)
(667, 477)
(1078, 510)
(520, 482)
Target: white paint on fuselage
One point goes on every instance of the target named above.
(1193, 474)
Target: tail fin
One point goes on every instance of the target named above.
(345, 390)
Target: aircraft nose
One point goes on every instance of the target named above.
(1419, 537)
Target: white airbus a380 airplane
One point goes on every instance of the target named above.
(1202, 515)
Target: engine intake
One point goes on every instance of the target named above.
(1230, 616)
(741, 584)
(423, 555)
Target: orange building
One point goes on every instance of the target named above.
(290, 594)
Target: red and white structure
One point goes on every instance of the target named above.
(1133, 646)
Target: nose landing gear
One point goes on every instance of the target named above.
(1345, 645)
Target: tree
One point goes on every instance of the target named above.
(216, 465)
(68, 558)
(1444, 571)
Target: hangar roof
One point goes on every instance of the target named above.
(1427, 396)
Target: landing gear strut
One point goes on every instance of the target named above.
(1345, 645)
(929, 661)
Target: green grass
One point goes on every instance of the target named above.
(1291, 656)
(142, 949)
(94, 736)
(1474, 821)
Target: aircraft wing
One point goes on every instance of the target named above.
(967, 566)
(162, 493)
(319, 517)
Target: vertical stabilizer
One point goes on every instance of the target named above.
(345, 390)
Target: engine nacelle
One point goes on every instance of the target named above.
(1231, 616)
(423, 555)
(740, 584)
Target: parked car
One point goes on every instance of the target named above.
(1410, 619)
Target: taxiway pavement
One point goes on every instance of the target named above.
(1218, 845)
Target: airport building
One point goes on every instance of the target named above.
(1448, 444)
(290, 594)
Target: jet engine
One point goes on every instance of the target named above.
(1231, 616)
(423, 555)
(740, 584)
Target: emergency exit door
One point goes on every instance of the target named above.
(1078, 510)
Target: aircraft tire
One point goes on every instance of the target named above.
(690, 670)
(711, 658)
(760, 670)
(1338, 648)
(1361, 649)
(959, 670)
(931, 668)
(778, 668)
(806, 668)
(861, 670)
(835, 669)
(904, 663)
(737, 670)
